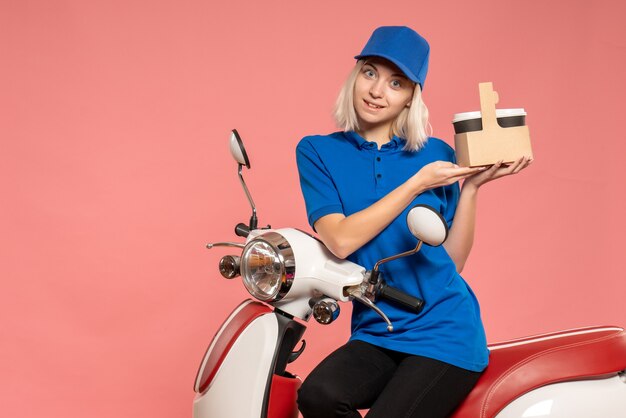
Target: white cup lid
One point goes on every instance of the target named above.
(500, 113)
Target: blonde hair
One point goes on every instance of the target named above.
(411, 124)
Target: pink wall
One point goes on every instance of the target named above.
(114, 169)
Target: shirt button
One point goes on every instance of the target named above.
(379, 175)
(377, 158)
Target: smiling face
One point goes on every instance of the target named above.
(381, 92)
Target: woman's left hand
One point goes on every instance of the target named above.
(496, 171)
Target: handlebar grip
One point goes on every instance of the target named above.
(242, 230)
(398, 296)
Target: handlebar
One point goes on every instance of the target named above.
(242, 230)
(402, 298)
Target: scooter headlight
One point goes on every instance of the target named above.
(268, 267)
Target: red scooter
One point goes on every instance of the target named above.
(292, 275)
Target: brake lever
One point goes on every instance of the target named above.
(225, 244)
(355, 293)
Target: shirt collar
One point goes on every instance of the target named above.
(362, 143)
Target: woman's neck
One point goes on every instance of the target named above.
(379, 134)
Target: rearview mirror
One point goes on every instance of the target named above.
(427, 225)
(237, 149)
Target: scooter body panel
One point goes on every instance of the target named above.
(238, 388)
(317, 271)
(283, 396)
(578, 399)
(528, 364)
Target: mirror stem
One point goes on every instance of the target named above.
(253, 218)
(374, 275)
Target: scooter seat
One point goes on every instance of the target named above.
(519, 366)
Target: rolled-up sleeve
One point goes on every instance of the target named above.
(320, 194)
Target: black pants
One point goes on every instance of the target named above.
(392, 384)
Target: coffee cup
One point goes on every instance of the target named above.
(472, 121)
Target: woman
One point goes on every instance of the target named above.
(358, 186)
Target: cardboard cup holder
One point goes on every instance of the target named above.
(486, 137)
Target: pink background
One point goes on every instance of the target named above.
(114, 172)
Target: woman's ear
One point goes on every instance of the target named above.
(408, 104)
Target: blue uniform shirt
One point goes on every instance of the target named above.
(344, 173)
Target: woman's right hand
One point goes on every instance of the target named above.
(439, 174)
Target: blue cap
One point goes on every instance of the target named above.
(402, 46)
